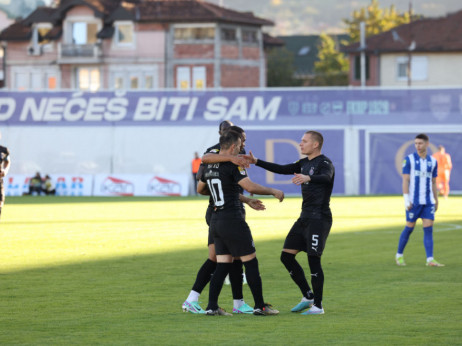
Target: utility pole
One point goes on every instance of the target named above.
(409, 54)
(362, 47)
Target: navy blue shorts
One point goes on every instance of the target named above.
(420, 211)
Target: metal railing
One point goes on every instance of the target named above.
(79, 51)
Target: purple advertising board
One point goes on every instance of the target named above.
(341, 107)
(387, 152)
(282, 147)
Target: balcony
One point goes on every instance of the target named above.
(79, 53)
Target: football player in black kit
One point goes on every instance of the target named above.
(232, 236)
(204, 274)
(4, 167)
(315, 174)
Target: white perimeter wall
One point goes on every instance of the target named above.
(106, 150)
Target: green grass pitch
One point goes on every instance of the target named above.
(87, 271)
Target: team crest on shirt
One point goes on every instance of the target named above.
(311, 171)
(429, 164)
(242, 170)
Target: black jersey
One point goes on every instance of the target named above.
(316, 193)
(216, 150)
(4, 156)
(222, 180)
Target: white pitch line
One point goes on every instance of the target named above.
(439, 228)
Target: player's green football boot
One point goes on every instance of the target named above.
(244, 309)
(314, 310)
(400, 261)
(304, 304)
(192, 307)
(434, 263)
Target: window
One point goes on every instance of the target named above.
(133, 77)
(148, 82)
(134, 82)
(183, 78)
(43, 29)
(199, 80)
(88, 79)
(36, 78)
(249, 36)
(84, 33)
(419, 68)
(124, 34)
(358, 67)
(194, 33)
(228, 34)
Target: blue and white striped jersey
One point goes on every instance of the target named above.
(421, 172)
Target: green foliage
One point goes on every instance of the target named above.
(377, 20)
(115, 271)
(280, 68)
(332, 67)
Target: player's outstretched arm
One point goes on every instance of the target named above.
(258, 189)
(239, 160)
(274, 167)
(252, 202)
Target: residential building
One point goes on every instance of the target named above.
(94, 45)
(430, 49)
(305, 52)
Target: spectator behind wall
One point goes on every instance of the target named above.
(35, 185)
(48, 187)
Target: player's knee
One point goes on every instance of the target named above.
(287, 258)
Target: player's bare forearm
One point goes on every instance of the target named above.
(252, 202)
(202, 188)
(435, 193)
(238, 160)
(406, 181)
(258, 189)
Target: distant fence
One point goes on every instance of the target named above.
(367, 131)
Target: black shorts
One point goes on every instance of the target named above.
(208, 217)
(308, 235)
(231, 234)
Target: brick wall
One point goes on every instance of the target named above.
(229, 51)
(233, 76)
(251, 53)
(204, 51)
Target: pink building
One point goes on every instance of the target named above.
(131, 44)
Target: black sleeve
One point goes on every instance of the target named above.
(237, 172)
(291, 168)
(325, 174)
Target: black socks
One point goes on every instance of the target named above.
(204, 275)
(296, 273)
(254, 280)
(317, 279)
(216, 284)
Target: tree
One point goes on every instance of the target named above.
(377, 20)
(280, 68)
(332, 67)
